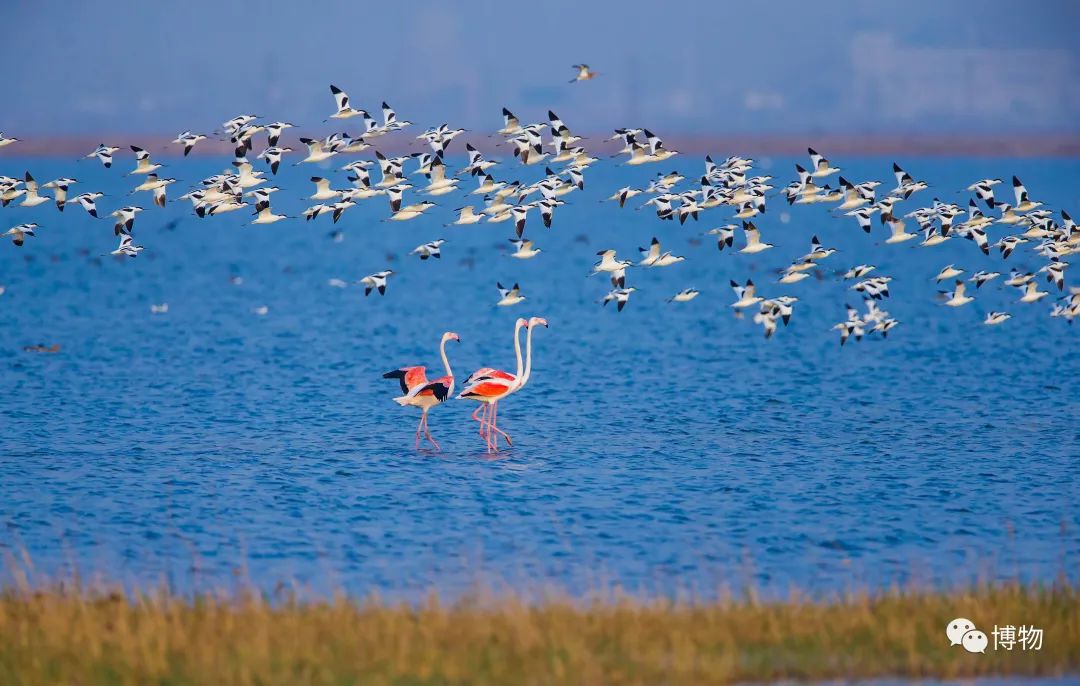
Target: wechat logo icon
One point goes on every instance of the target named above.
(962, 632)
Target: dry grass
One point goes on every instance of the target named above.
(85, 637)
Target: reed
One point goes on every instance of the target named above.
(74, 635)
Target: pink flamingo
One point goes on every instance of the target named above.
(490, 386)
(518, 383)
(487, 384)
(419, 392)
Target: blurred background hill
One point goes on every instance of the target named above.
(785, 67)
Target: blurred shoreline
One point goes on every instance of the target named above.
(933, 145)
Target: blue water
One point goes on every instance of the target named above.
(667, 448)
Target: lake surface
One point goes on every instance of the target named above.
(667, 448)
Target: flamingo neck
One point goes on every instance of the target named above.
(445, 360)
(517, 348)
(528, 358)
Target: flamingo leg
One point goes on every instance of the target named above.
(423, 416)
(493, 438)
(499, 432)
(481, 409)
(489, 416)
(427, 433)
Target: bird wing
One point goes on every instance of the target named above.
(753, 235)
(408, 377)
(340, 97)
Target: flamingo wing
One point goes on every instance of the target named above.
(440, 388)
(408, 377)
(487, 389)
(488, 373)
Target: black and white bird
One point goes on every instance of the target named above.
(31, 198)
(272, 156)
(859, 271)
(188, 140)
(725, 236)
(261, 196)
(653, 257)
(819, 165)
(509, 296)
(344, 110)
(875, 288)
(156, 186)
(905, 184)
(511, 125)
(852, 326)
(439, 182)
(624, 194)
(818, 251)
(957, 297)
(980, 277)
(862, 215)
(316, 151)
(7, 140)
(125, 219)
(948, 272)
(1032, 292)
(897, 232)
(1055, 273)
(1024, 203)
(466, 215)
(754, 243)
(87, 201)
(684, 296)
(984, 190)
(322, 189)
(238, 122)
(143, 164)
(746, 295)
(127, 247)
(19, 233)
(1008, 244)
(411, 211)
(60, 188)
(429, 249)
(376, 281)
(265, 215)
(620, 296)
(477, 164)
(523, 249)
(274, 131)
(583, 74)
(608, 264)
(104, 154)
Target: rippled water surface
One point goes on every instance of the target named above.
(666, 448)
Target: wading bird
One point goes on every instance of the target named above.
(418, 391)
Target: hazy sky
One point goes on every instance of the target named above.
(788, 66)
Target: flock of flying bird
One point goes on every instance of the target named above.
(731, 185)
